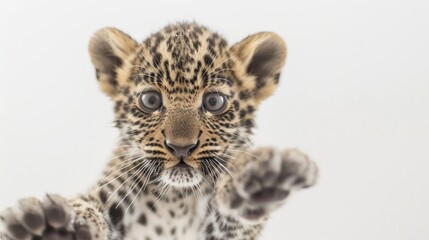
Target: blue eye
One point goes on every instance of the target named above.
(214, 102)
(150, 101)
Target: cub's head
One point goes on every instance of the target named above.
(184, 99)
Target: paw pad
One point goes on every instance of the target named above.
(32, 219)
(267, 181)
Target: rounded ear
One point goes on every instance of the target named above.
(263, 55)
(108, 48)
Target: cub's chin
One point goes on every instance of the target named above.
(181, 177)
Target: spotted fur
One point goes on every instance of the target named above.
(224, 189)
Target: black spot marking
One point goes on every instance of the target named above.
(158, 230)
(122, 230)
(151, 206)
(207, 59)
(103, 196)
(236, 104)
(157, 59)
(248, 123)
(242, 113)
(244, 95)
(209, 229)
(142, 219)
(116, 214)
(172, 213)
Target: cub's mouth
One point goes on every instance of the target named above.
(182, 175)
(182, 165)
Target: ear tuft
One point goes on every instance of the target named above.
(108, 48)
(263, 55)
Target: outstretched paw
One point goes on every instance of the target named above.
(268, 179)
(52, 219)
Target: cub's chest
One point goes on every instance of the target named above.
(173, 217)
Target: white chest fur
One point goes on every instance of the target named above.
(174, 216)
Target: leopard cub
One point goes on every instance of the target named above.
(184, 103)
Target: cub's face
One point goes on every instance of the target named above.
(184, 99)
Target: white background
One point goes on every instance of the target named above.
(354, 95)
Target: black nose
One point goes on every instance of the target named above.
(181, 151)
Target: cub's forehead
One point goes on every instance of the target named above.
(186, 42)
(184, 54)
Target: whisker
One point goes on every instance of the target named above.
(215, 168)
(135, 197)
(226, 169)
(117, 177)
(212, 187)
(124, 164)
(143, 75)
(227, 59)
(158, 70)
(207, 170)
(165, 187)
(120, 162)
(227, 80)
(222, 70)
(204, 74)
(239, 151)
(202, 198)
(130, 177)
(225, 161)
(148, 173)
(133, 186)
